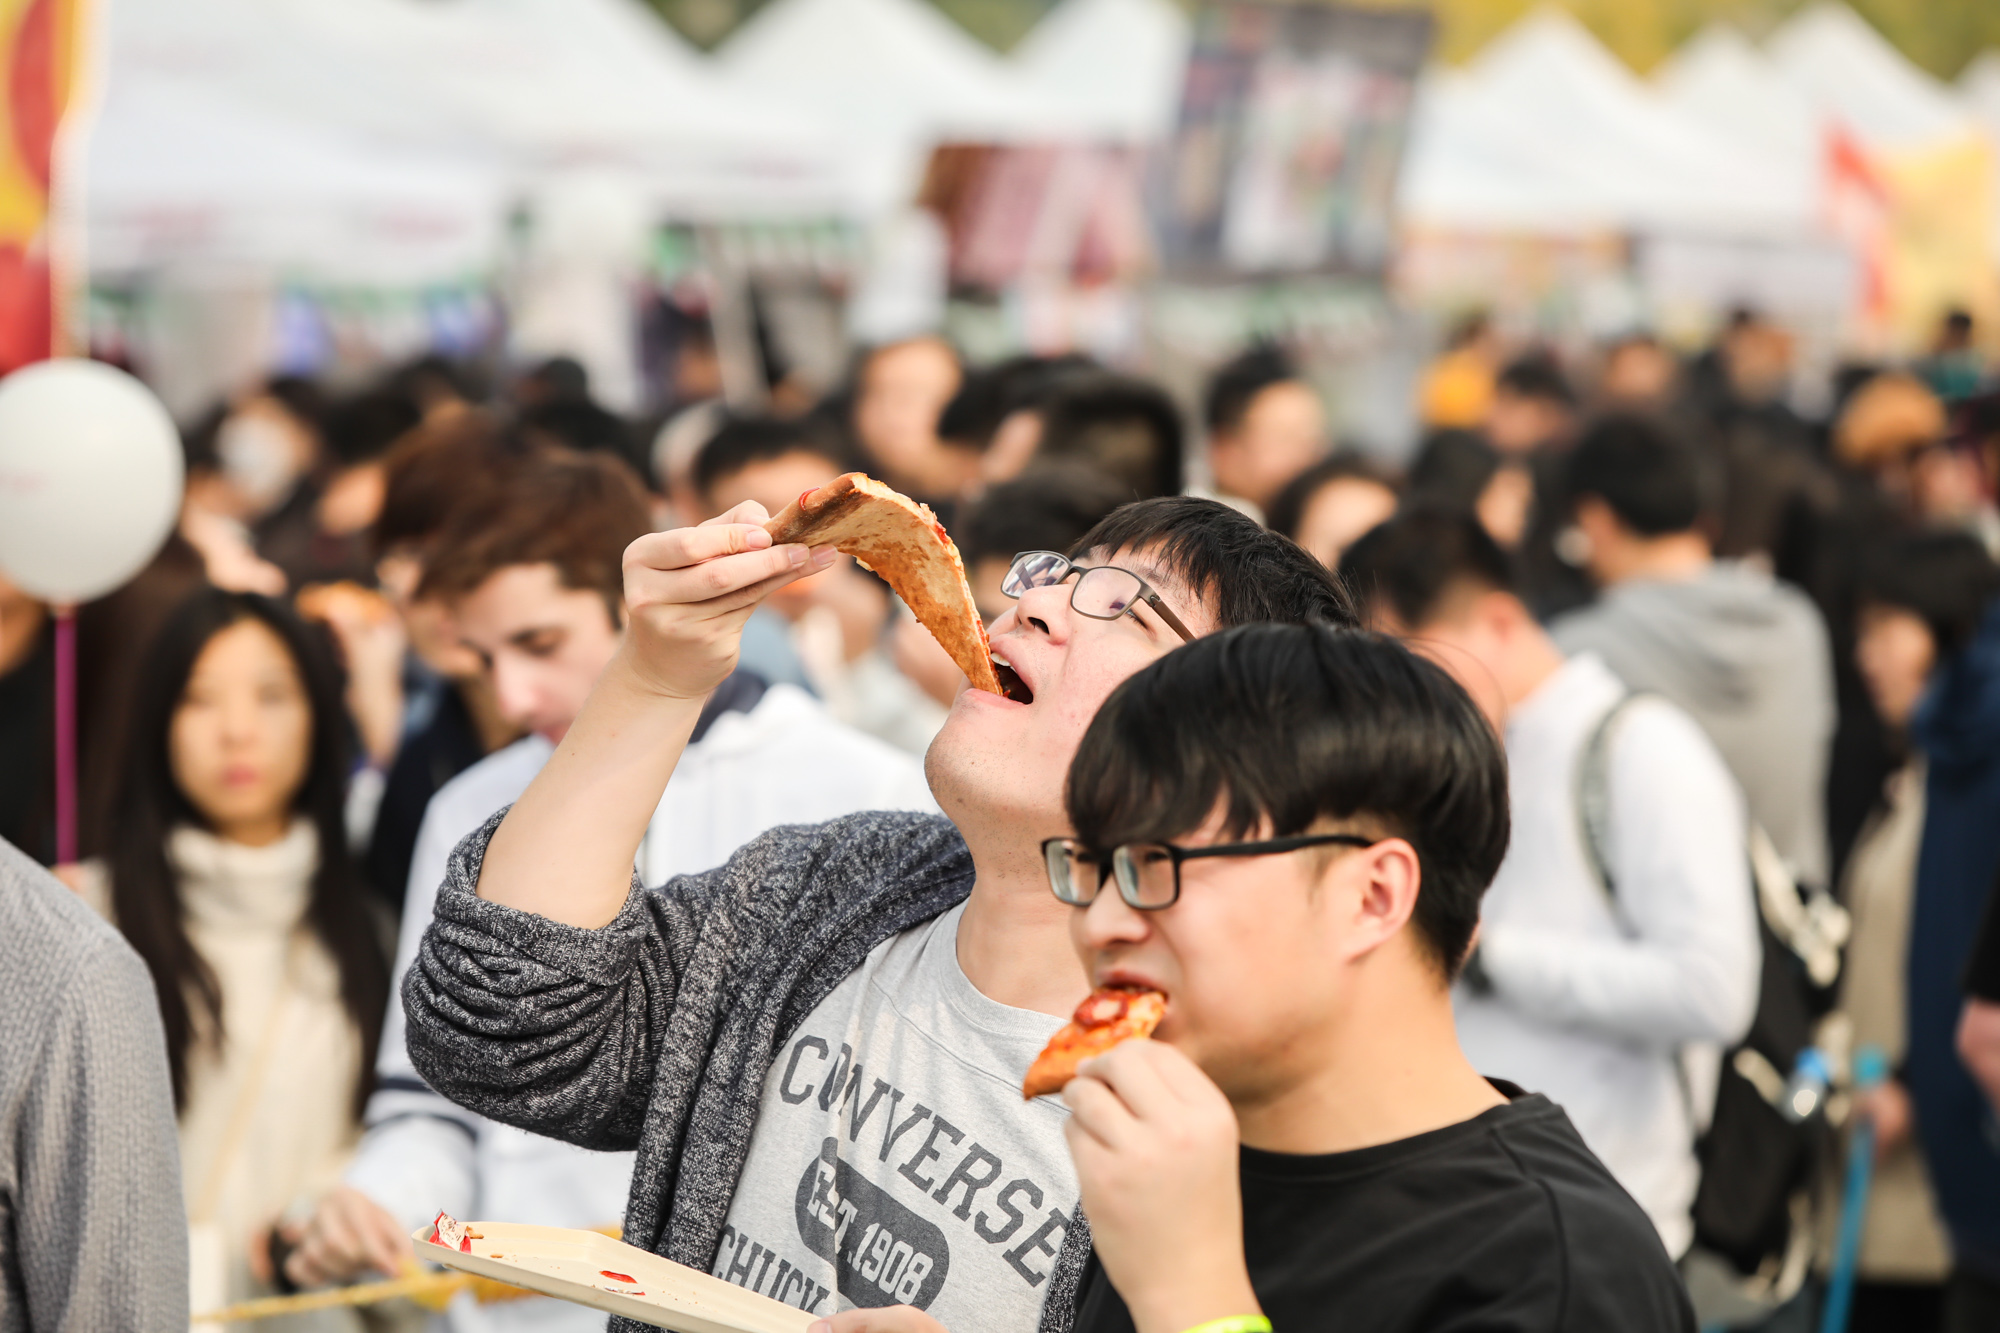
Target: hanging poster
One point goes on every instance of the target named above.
(1291, 132)
(1068, 213)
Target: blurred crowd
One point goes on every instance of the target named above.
(1746, 663)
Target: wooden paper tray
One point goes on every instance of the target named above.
(567, 1265)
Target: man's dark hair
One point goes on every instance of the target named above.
(1453, 468)
(434, 380)
(577, 512)
(1289, 725)
(441, 468)
(1650, 478)
(988, 396)
(1289, 505)
(742, 441)
(1224, 557)
(1536, 375)
(1046, 508)
(582, 425)
(300, 396)
(1126, 428)
(361, 427)
(560, 379)
(1236, 385)
(1414, 562)
(1945, 578)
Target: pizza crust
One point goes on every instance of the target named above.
(1109, 1015)
(902, 541)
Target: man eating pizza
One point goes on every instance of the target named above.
(816, 1049)
(1283, 833)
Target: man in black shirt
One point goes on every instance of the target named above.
(1287, 831)
(1979, 1026)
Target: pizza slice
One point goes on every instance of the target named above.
(902, 541)
(1109, 1015)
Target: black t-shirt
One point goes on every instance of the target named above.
(434, 754)
(1503, 1224)
(27, 751)
(1982, 969)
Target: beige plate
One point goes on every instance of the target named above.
(567, 1264)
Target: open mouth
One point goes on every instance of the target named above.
(1011, 683)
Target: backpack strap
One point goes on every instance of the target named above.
(1807, 919)
(1593, 793)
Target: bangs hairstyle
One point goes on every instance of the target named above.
(1244, 573)
(744, 441)
(577, 512)
(1415, 564)
(1945, 579)
(1236, 386)
(1283, 726)
(440, 468)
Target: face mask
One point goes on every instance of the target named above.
(258, 458)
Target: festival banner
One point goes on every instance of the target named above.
(1939, 243)
(38, 49)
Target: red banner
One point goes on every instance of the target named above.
(37, 53)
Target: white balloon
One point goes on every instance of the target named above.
(90, 478)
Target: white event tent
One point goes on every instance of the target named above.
(401, 131)
(1979, 85)
(1850, 73)
(1720, 80)
(182, 176)
(890, 78)
(245, 147)
(1473, 165)
(1859, 82)
(1112, 67)
(1546, 131)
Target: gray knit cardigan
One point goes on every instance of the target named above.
(656, 1031)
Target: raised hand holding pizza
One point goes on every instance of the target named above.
(1156, 1151)
(688, 592)
(565, 849)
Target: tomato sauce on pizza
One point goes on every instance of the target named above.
(1107, 1016)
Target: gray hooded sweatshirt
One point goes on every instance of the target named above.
(1747, 656)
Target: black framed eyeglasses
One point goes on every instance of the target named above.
(1102, 592)
(1148, 874)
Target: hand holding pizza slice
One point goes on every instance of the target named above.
(902, 541)
(1109, 1015)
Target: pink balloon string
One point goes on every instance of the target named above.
(65, 734)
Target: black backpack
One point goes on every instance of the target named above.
(1753, 1208)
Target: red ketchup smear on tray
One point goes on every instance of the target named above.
(618, 1277)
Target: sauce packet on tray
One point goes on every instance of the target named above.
(449, 1232)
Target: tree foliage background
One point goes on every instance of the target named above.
(1940, 35)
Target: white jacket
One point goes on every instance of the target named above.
(783, 762)
(1593, 1003)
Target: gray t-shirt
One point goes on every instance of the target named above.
(894, 1161)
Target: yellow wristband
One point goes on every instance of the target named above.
(1235, 1323)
